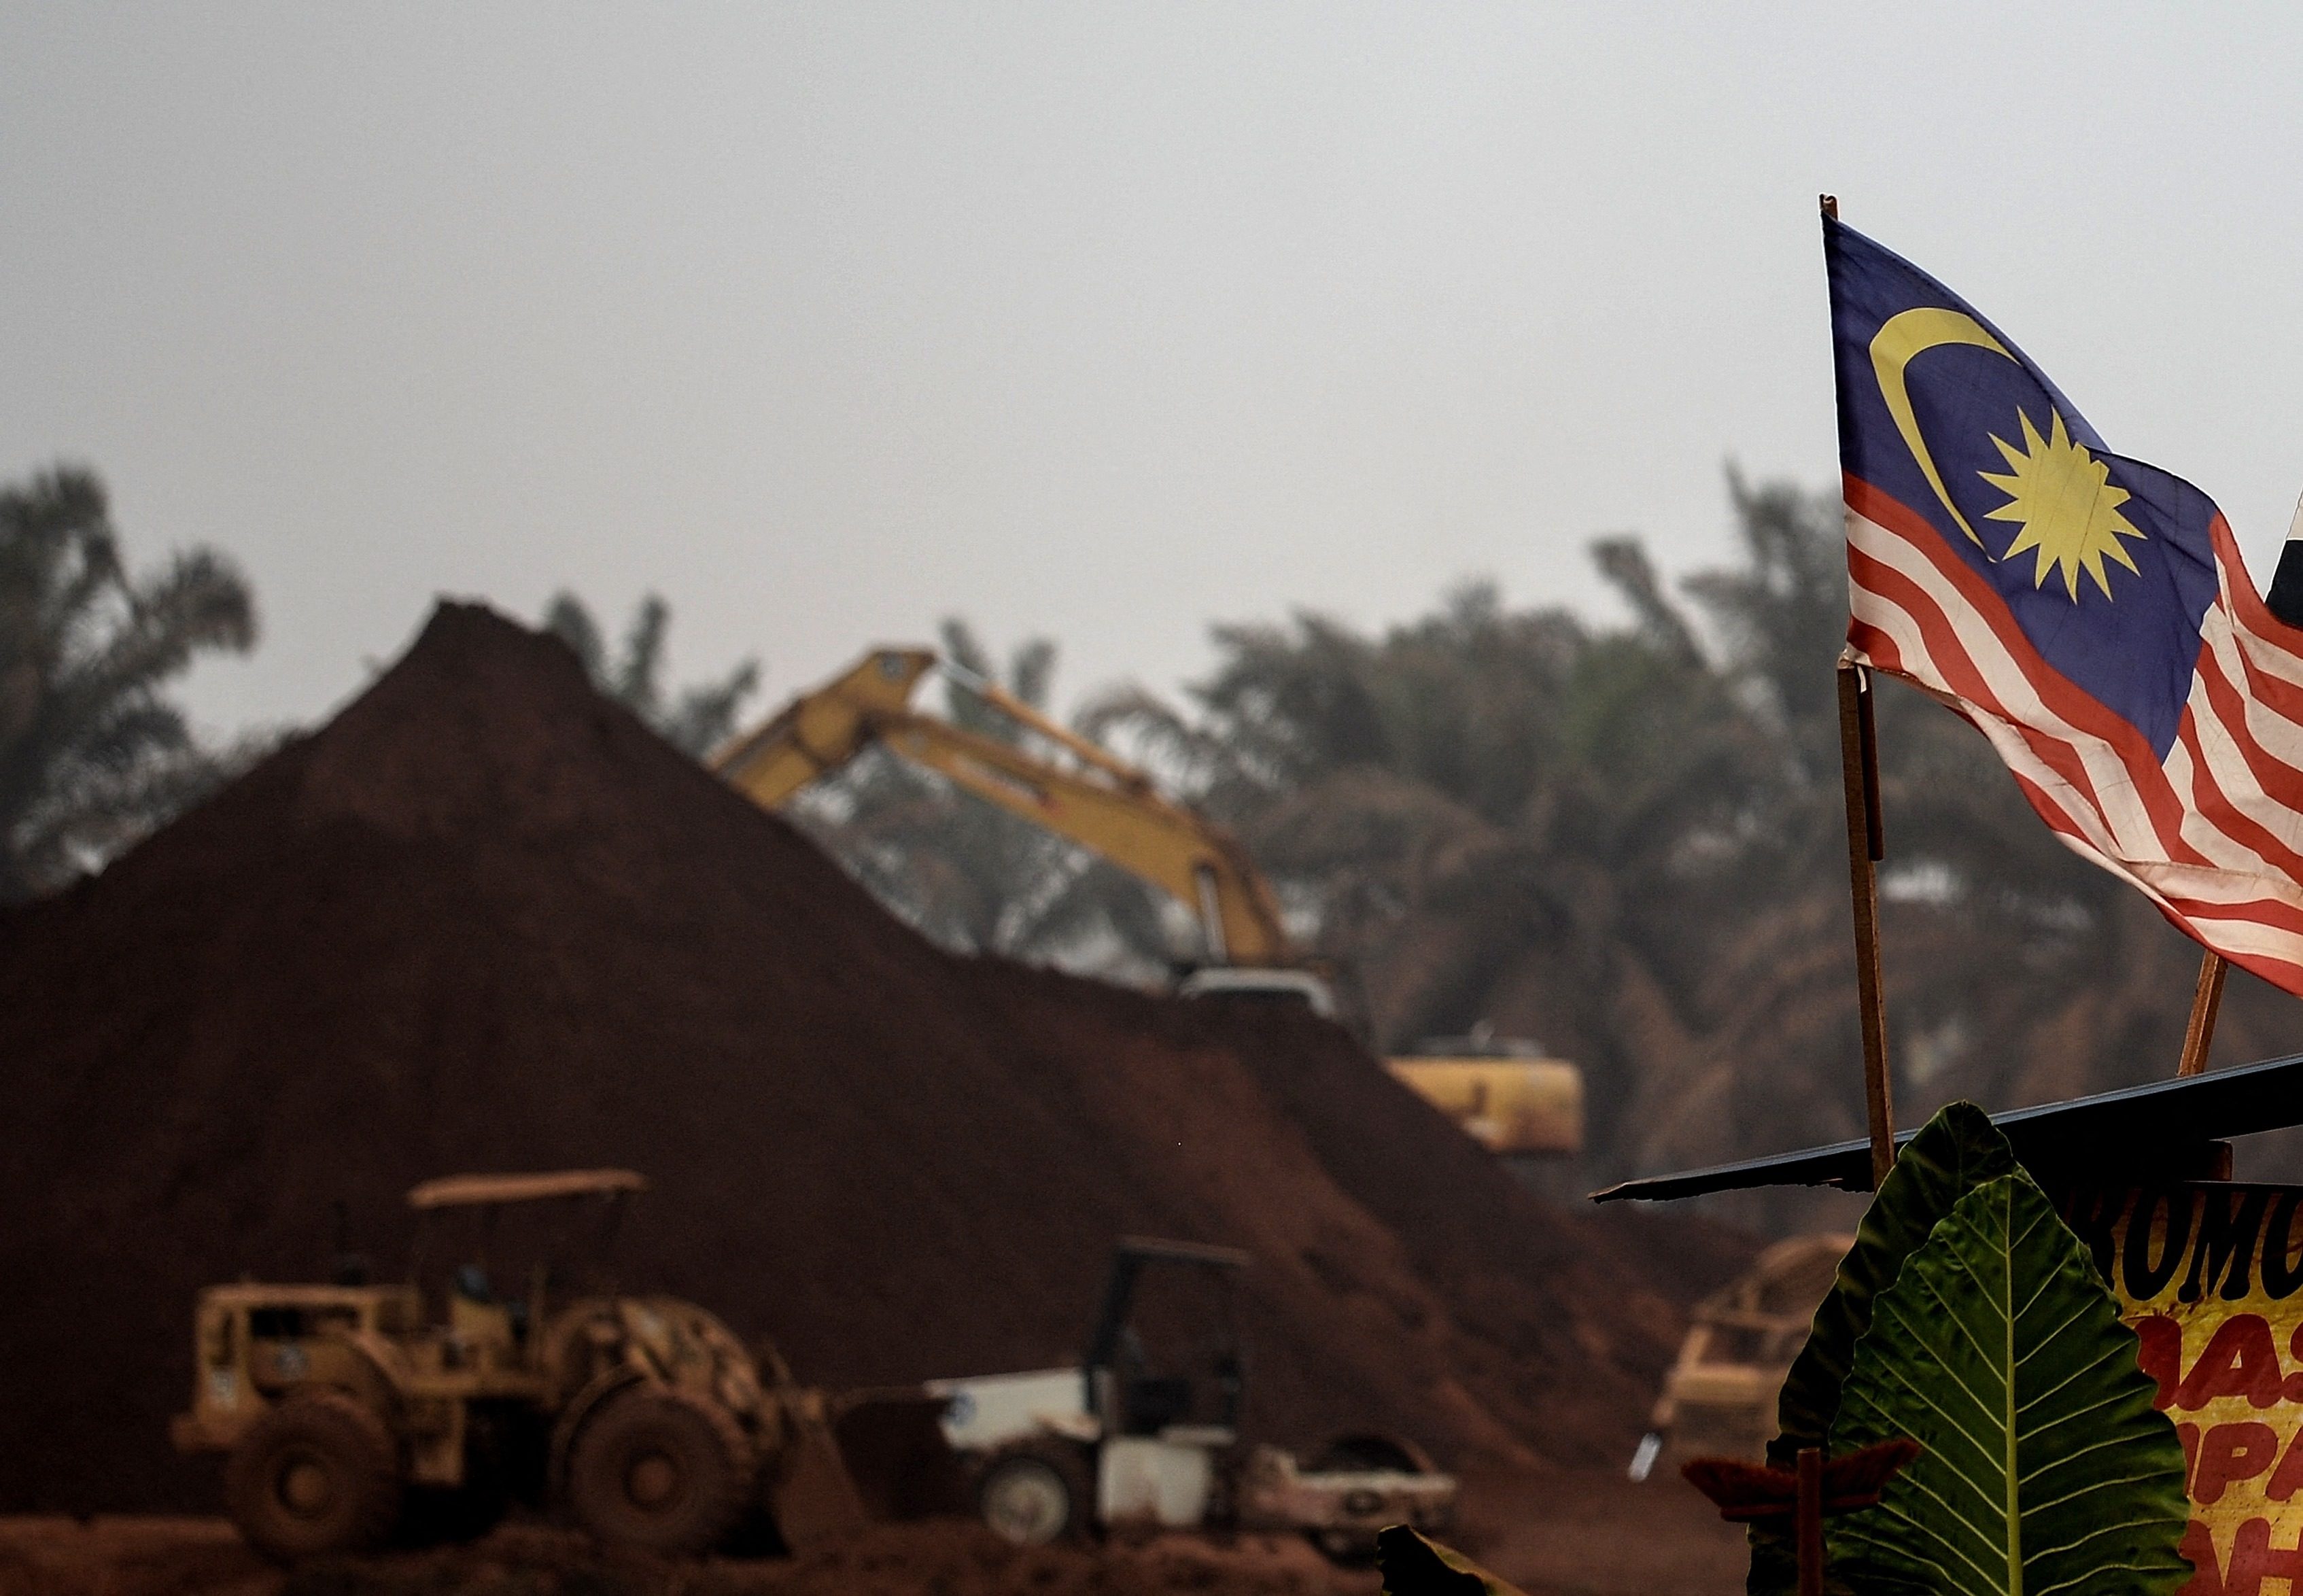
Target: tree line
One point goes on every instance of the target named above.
(1624, 838)
(1621, 837)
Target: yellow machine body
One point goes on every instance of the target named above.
(1515, 1106)
(1105, 805)
(1098, 800)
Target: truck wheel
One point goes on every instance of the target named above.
(1034, 1492)
(318, 1474)
(660, 1470)
(1354, 1548)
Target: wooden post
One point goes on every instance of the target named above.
(2206, 998)
(1867, 845)
(1808, 1521)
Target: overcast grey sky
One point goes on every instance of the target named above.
(1099, 320)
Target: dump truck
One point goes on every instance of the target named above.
(1080, 791)
(1719, 1398)
(1134, 1436)
(346, 1409)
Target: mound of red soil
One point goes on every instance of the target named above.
(486, 920)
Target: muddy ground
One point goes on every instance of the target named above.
(1583, 1533)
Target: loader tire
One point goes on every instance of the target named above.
(660, 1470)
(318, 1474)
(1034, 1493)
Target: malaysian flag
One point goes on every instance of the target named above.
(2088, 613)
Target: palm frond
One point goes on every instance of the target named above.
(92, 754)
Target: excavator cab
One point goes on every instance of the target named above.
(1237, 984)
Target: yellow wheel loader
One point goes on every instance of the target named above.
(347, 1411)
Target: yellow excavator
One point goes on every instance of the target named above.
(1512, 1103)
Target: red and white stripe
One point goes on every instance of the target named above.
(2213, 834)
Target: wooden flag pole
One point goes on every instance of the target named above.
(1867, 845)
(2206, 998)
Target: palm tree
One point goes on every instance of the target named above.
(1479, 813)
(1629, 840)
(93, 754)
(697, 719)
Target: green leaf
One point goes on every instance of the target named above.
(1415, 1566)
(1956, 1151)
(2048, 1470)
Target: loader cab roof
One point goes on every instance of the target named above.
(553, 1226)
(478, 1191)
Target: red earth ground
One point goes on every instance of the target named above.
(1565, 1534)
(485, 919)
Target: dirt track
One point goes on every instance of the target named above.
(1592, 1532)
(1573, 1534)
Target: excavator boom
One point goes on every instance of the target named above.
(1513, 1105)
(818, 732)
(1106, 806)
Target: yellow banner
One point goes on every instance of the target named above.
(2211, 1278)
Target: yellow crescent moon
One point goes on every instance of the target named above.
(1901, 339)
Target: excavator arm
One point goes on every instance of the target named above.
(818, 732)
(1513, 1105)
(1106, 806)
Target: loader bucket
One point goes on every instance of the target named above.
(811, 1495)
(900, 1464)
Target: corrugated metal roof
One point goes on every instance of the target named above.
(2135, 1125)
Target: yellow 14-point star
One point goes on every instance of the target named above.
(2062, 497)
